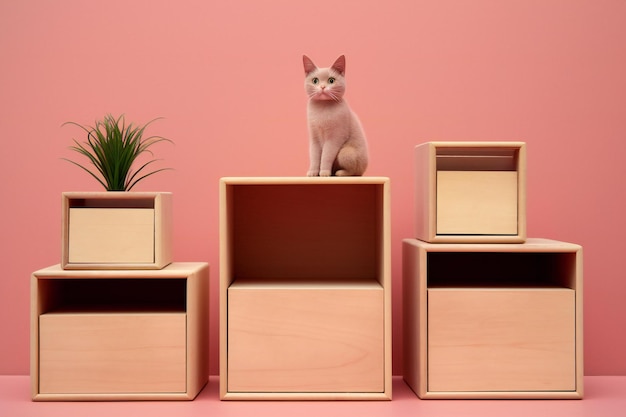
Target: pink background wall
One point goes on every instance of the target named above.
(227, 77)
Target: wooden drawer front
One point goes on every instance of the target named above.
(111, 235)
(501, 340)
(305, 340)
(112, 353)
(477, 202)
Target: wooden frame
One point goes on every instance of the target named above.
(493, 320)
(305, 259)
(116, 230)
(119, 334)
(471, 192)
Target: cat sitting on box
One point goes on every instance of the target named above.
(337, 144)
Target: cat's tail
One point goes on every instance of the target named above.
(350, 162)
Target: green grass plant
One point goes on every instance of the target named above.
(113, 147)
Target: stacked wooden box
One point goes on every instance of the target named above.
(487, 313)
(305, 289)
(117, 319)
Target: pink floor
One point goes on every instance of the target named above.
(604, 397)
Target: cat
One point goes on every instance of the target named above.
(337, 144)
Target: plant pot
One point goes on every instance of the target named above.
(117, 230)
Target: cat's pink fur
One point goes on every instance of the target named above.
(337, 144)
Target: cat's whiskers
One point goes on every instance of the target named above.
(334, 96)
(312, 94)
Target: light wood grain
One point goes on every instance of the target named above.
(112, 353)
(311, 338)
(111, 235)
(501, 340)
(477, 202)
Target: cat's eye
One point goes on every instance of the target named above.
(316, 80)
(331, 80)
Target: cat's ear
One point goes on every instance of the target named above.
(309, 66)
(340, 65)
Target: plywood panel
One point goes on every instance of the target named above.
(294, 338)
(477, 202)
(112, 353)
(116, 235)
(501, 340)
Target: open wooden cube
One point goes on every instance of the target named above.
(493, 320)
(117, 230)
(471, 192)
(305, 288)
(119, 335)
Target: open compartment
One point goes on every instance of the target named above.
(112, 295)
(117, 230)
(471, 192)
(284, 240)
(501, 269)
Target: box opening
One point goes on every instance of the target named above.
(112, 295)
(501, 269)
(306, 231)
(111, 203)
(477, 159)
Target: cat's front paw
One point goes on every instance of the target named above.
(312, 173)
(325, 173)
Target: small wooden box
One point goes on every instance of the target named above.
(117, 230)
(119, 334)
(471, 192)
(493, 320)
(305, 278)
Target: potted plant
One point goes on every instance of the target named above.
(116, 229)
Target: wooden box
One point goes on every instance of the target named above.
(117, 230)
(493, 320)
(119, 334)
(305, 289)
(471, 192)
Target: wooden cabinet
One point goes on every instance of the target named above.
(471, 192)
(493, 320)
(305, 288)
(119, 334)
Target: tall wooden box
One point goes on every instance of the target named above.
(471, 192)
(305, 293)
(117, 230)
(493, 320)
(119, 334)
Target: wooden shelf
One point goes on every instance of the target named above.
(119, 334)
(493, 320)
(305, 288)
